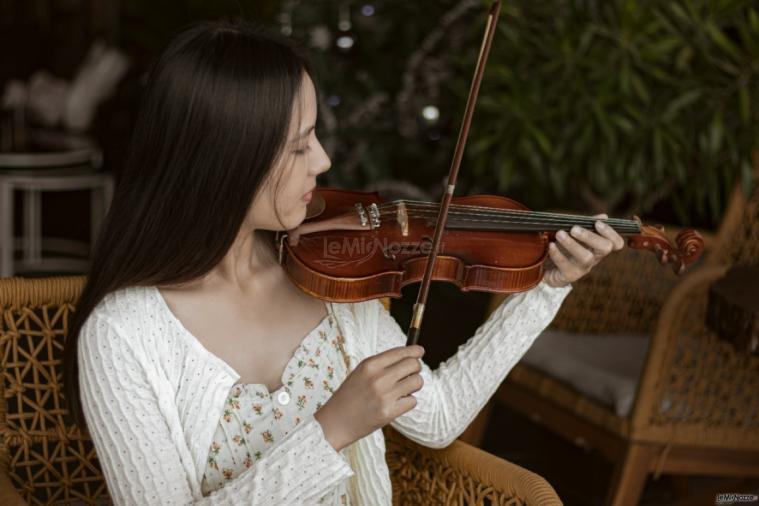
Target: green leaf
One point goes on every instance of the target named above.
(681, 102)
(623, 123)
(624, 78)
(744, 98)
(658, 152)
(678, 11)
(640, 88)
(542, 140)
(753, 19)
(715, 133)
(719, 38)
(683, 58)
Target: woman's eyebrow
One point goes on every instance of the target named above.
(303, 134)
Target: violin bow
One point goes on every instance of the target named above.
(421, 299)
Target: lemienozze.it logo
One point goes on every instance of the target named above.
(731, 498)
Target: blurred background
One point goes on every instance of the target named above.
(647, 108)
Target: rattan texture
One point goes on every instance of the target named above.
(622, 294)
(459, 474)
(741, 244)
(49, 460)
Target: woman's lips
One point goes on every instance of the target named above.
(307, 196)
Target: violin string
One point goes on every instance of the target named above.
(489, 211)
(580, 220)
(516, 221)
(430, 205)
(541, 223)
(420, 204)
(530, 225)
(524, 218)
(526, 225)
(507, 212)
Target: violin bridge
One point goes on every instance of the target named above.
(402, 216)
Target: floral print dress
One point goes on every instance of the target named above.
(254, 419)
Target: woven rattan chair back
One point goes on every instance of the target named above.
(593, 306)
(738, 239)
(46, 458)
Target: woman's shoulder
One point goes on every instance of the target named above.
(125, 303)
(128, 310)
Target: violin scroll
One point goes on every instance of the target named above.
(689, 245)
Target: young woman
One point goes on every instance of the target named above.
(202, 374)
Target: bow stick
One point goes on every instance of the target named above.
(421, 299)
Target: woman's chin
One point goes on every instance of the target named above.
(298, 218)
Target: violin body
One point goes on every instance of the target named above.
(490, 243)
(356, 265)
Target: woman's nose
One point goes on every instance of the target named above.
(324, 163)
(326, 166)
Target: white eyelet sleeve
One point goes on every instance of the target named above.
(459, 388)
(134, 424)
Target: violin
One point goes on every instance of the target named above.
(357, 247)
(353, 246)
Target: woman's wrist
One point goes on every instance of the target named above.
(330, 429)
(554, 279)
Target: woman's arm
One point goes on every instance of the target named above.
(455, 392)
(140, 455)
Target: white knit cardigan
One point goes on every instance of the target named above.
(153, 395)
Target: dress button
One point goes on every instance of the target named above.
(283, 398)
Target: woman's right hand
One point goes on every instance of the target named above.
(376, 392)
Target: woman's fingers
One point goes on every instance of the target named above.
(568, 270)
(404, 404)
(407, 386)
(584, 249)
(605, 230)
(402, 369)
(392, 356)
(579, 254)
(599, 244)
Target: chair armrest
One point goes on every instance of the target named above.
(9, 496)
(459, 473)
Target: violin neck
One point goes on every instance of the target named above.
(508, 226)
(466, 218)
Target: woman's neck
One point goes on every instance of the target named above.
(250, 258)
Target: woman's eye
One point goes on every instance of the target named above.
(300, 151)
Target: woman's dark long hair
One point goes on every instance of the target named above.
(213, 122)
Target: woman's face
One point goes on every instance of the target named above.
(302, 159)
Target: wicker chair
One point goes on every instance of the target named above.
(45, 461)
(696, 409)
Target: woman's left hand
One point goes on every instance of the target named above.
(584, 248)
